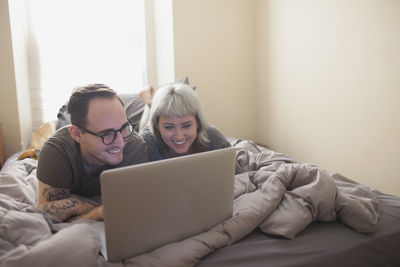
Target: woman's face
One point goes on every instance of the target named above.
(178, 133)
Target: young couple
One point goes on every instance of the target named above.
(101, 137)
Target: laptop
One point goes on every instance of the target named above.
(152, 204)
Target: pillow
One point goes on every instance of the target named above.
(63, 117)
(134, 107)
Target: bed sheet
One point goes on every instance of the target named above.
(320, 244)
(26, 234)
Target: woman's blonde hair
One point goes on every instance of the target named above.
(181, 100)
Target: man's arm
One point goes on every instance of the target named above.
(59, 203)
(94, 214)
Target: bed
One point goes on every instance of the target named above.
(286, 213)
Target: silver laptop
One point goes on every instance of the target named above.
(156, 203)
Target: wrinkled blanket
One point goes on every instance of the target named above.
(279, 195)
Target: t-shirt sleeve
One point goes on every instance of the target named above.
(217, 139)
(151, 143)
(135, 151)
(53, 167)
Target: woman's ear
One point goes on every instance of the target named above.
(75, 133)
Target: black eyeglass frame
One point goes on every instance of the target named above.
(106, 132)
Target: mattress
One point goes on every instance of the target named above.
(320, 244)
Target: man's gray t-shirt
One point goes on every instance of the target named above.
(60, 163)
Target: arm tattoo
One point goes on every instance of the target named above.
(66, 208)
(51, 194)
(59, 203)
(62, 209)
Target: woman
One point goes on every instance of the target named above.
(177, 126)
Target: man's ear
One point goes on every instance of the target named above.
(75, 133)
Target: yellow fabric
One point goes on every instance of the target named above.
(38, 138)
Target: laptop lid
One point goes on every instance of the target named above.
(152, 204)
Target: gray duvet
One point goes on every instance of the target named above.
(273, 192)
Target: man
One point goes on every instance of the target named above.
(100, 137)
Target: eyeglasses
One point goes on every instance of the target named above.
(108, 136)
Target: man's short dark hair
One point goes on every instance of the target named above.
(78, 103)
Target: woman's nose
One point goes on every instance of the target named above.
(178, 133)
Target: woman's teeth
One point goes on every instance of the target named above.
(178, 142)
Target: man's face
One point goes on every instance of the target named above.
(103, 114)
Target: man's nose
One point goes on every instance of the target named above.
(119, 140)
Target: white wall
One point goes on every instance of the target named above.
(163, 41)
(328, 81)
(214, 46)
